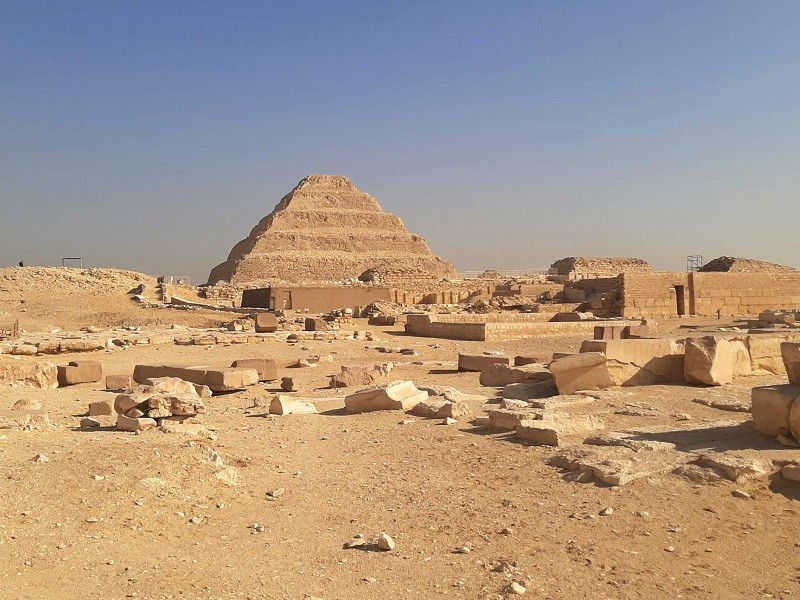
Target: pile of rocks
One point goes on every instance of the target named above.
(159, 402)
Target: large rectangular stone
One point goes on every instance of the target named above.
(770, 406)
(29, 374)
(266, 368)
(584, 371)
(790, 353)
(266, 322)
(316, 324)
(85, 371)
(639, 361)
(478, 362)
(119, 382)
(80, 345)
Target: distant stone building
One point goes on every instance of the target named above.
(574, 268)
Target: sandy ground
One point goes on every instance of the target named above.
(115, 515)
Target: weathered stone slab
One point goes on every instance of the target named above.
(561, 401)
(708, 360)
(634, 362)
(360, 375)
(266, 322)
(510, 418)
(765, 354)
(737, 468)
(24, 350)
(125, 423)
(48, 347)
(478, 362)
(80, 345)
(100, 407)
(550, 429)
(790, 353)
(398, 395)
(19, 374)
(770, 406)
(584, 371)
(286, 405)
(266, 368)
(315, 324)
(119, 382)
(85, 371)
(499, 374)
(429, 408)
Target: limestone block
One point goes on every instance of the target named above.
(398, 395)
(267, 370)
(266, 322)
(638, 361)
(584, 371)
(708, 360)
(499, 374)
(315, 324)
(478, 362)
(286, 405)
(85, 371)
(130, 424)
(17, 373)
(765, 354)
(119, 382)
(125, 402)
(101, 407)
(231, 379)
(361, 375)
(429, 408)
(454, 410)
(520, 361)
(81, 345)
(48, 347)
(790, 353)
(551, 428)
(770, 407)
(611, 332)
(169, 385)
(24, 350)
(742, 366)
(24, 419)
(510, 418)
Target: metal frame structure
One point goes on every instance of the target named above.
(66, 258)
(694, 262)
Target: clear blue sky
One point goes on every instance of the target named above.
(154, 135)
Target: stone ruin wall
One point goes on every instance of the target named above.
(732, 294)
(586, 267)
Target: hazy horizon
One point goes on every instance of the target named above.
(154, 137)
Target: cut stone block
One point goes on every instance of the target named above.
(101, 407)
(742, 366)
(612, 332)
(119, 382)
(520, 361)
(218, 380)
(85, 371)
(361, 375)
(24, 350)
(550, 429)
(315, 324)
(499, 374)
(398, 395)
(634, 362)
(129, 424)
(286, 405)
(48, 347)
(18, 374)
(770, 406)
(765, 354)
(454, 410)
(708, 360)
(510, 418)
(266, 368)
(266, 322)
(429, 408)
(584, 371)
(478, 362)
(81, 345)
(790, 353)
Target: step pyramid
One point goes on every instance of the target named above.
(326, 230)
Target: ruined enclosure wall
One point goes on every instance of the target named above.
(586, 289)
(315, 299)
(592, 267)
(653, 294)
(744, 293)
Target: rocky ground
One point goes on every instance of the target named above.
(266, 508)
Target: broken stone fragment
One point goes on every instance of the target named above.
(398, 395)
(286, 405)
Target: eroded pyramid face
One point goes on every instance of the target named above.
(326, 230)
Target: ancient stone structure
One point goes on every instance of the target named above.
(732, 264)
(326, 230)
(585, 267)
